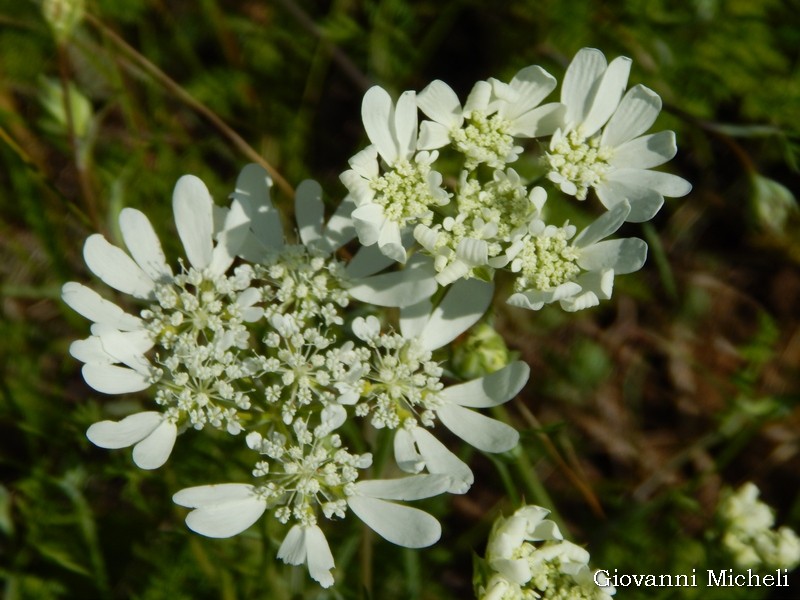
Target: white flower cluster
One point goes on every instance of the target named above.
(748, 534)
(253, 335)
(274, 339)
(527, 558)
(492, 220)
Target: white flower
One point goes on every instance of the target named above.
(405, 392)
(408, 188)
(577, 273)
(265, 243)
(494, 114)
(748, 533)
(490, 217)
(114, 355)
(308, 544)
(151, 434)
(527, 524)
(529, 558)
(224, 510)
(616, 161)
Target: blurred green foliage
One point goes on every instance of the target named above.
(643, 409)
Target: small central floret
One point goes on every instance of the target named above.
(312, 471)
(198, 326)
(545, 261)
(405, 192)
(196, 304)
(403, 383)
(303, 282)
(486, 140)
(578, 163)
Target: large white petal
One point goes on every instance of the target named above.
(539, 122)
(644, 202)
(90, 351)
(531, 85)
(143, 244)
(226, 519)
(358, 188)
(400, 288)
(415, 487)
(603, 226)
(340, 228)
(624, 256)
(111, 379)
(636, 113)
(595, 286)
(535, 299)
(479, 97)
(309, 211)
(414, 318)
(432, 135)
(232, 237)
(192, 206)
(124, 433)
(116, 268)
(154, 450)
(253, 190)
(318, 553)
(516, 570)
(646, 151)
(546, 530)
(390, 241)
(608, 95)
(491, 390)
(580, 81)
(440, 460)
(405, 124)
(367, 261)
(88, 303)
(665, 184)
(478, 430)
(405, 452)
(377, 112)
(369, 220)
(293, 547)
(439, 102)
(401, 525)
(365, 163)
(128, 347)
(464, 303)
(201, 495)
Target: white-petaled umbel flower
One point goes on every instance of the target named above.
(403, 192)
(194, 318)
(748, 534)
(601, 143)
(494, 114)
(402, 389)
(224, 510)
(305, 279)
(490, 217)
(528, 558)
(552, 266)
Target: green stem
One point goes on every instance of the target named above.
(179, 92)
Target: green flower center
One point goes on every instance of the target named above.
(405, 193)
(580, 161)
(546, 261)
(484, 140)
